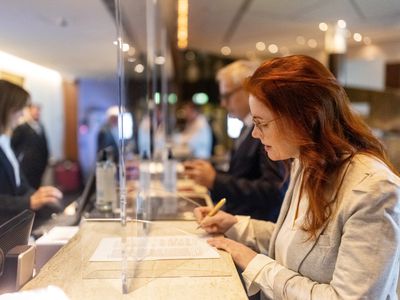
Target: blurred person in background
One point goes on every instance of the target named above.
(29, 143)
(15, 192)
(108, 134)
(254, 185)
(196, 135)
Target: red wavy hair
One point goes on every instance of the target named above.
(308, 99)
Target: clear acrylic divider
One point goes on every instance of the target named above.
(155, 209)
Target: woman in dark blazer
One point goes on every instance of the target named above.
(15, 193)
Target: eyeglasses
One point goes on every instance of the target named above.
(261, 126)
(226, 96)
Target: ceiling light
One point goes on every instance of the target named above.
(357, 37)
(312, 43)
(125, 47)
(260, 46)
(323, 26)
(341, 24)
(159, 60)
(226, 50)
(139, 68)
(131, 59)
(182, 26)
(200, 98)
(131, 51)
(300, 40)
(367, 40)
(22, 67)
(273, 48)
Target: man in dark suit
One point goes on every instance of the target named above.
(30, 146)
(254, 185)
(108, 134)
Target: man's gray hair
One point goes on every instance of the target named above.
(237, 71)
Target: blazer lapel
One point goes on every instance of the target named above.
(8, 167)
(302, 238)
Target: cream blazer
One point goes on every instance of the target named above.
(356, 255)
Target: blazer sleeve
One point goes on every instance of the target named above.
(16, 202)
(367, 264)
(255, 234)
(11, 203)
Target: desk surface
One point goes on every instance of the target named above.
(191, 279)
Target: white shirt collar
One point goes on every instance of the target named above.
(5, 144)
(5, 141)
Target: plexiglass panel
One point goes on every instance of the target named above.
(148, 230)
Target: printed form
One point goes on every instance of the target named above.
(155, 248)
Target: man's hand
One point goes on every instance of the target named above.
(45, 195)
(202, 172)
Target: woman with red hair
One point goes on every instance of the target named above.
(337, 235)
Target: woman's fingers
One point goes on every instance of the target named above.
(220, 243)
(211, 229)
(200, 212)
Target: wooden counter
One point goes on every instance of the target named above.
(71, 270)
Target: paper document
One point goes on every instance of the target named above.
(155, 248)
(58, 234)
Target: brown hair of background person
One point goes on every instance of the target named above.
(12, 99)
(316, 105)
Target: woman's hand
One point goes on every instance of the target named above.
(45, 195)
(219, 223)
(241, 254)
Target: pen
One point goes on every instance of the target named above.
(215, 209)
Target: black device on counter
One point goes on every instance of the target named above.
(17, 257)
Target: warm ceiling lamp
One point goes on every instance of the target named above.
(182, 31)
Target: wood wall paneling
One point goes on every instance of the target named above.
(71, 120)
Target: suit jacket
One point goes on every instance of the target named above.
(354, 256)
(254, 185)
(105, 139)
(13, 199)
(32, 152)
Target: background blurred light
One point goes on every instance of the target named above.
(273, 48)
(260, 46)
(226, 50)
(341, 24)
(323, 26)
(200, 98)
